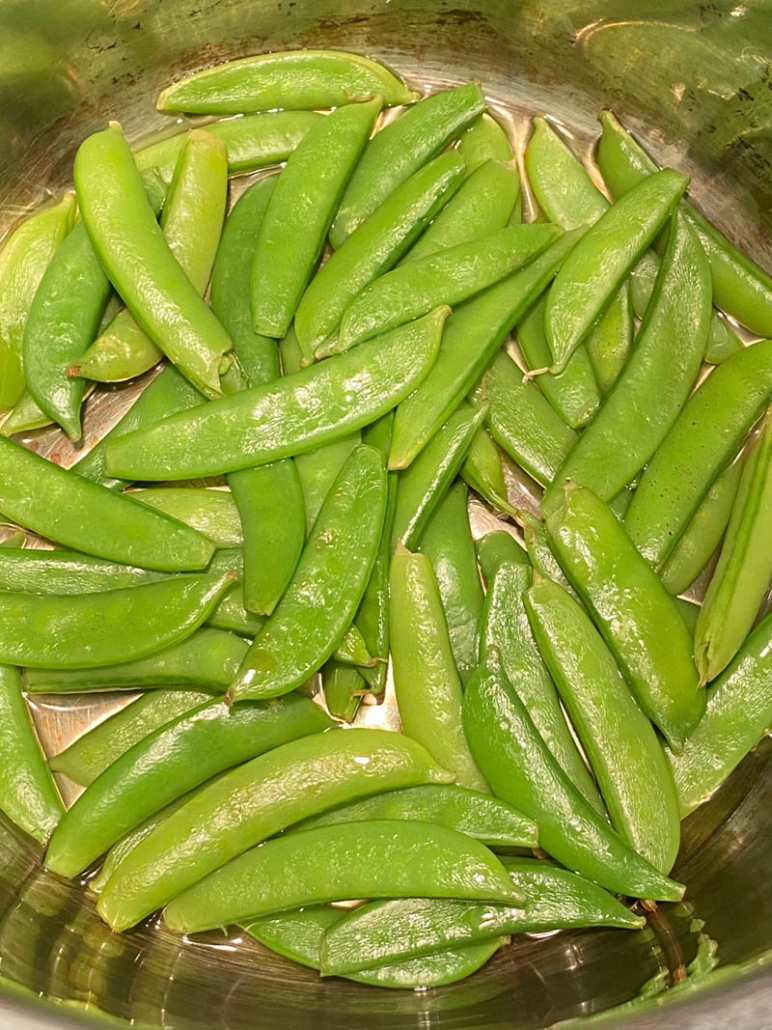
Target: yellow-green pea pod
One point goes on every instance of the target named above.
(483, 472)
(343, 688)
(230, 614)
(255, 801)
(307, 626)
(540, 552)
(373, 249)
(34, 571)
(655, 382)
(705, 438)
(139, 261)
(317, 470)
(426, 683)
(352, 650)
(88, 630)
(400, 149)
(27, 792)
(315, 406)
(497, 548)
(23, 260)
(484, 140)
(703, 534)
(690, 612)
(27, 414)
(744, 568)
(336, 863)
(636, 616)
(300, 211)
(593, 273)
(608, 343)
(288, 79)
(210, 511)
(168, 763)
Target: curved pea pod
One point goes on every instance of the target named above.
(289, 79)
(722, 341)
(373, 249)
(426, 683)
(212, 512)
(656, 381)
(496, 549)
(66, 572)
(317, 470)
(167, 764)
(400, 149)
(540, 553)
(24, 258)
(230, 614)
(609, 342)
(593, 273)
(89, 755)
(62, 506)
(306, 625)
(472, 336)
(703, 441)
(83, 631)
(343, 687)
(352, 650)
(28, 795)
(208, 658)
(484, 140)
(254, 802)
(561, 184)
(24, 416)
(520, 769)
(483, 472)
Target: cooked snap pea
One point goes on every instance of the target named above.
(484, 140)
(703, 441)
(689, 611)
(212, 512)
(254, 802)
(483, 472)
(540, 553)
(496, 548)
(317, 470)
(608, 343)
(352, 650)
(25, 415)
(66, 572)
(231, 614)
(343, 688)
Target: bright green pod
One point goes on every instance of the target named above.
(317, 470)
(562, 187)
(609, 342)
(297, 413)
(497, 548)
(230, 614)
(122, 351)
(342, 687)
(484, 140)
(24, 416)
(34, 571)
(212, 512)
(401, 149)
(252, 803)
(540, 553)
(352, 650)
(483, 472)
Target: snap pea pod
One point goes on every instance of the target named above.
(484, 140)
(335, 863)
(208, 658)
(426, 683)
(722, 341)
(497, 548)
(636, 616)
(317, 470)
(168, 763)
(701, 537)
(66, 572)
(297, 413)
(289, 79)
(400, 150)
(15, 540)
(472, 336)
(744, 568)
(352, 650)
(212, 512)
(703, 441)
(656, 381)
(373, 249)
(447, 541)
(24, 258)
(64, 507)
(89, 755)
(422, 487)
(254, 802)
(519, 767)
(608, 343)
(27, 414)
(231, 614)
(329, 581)
(738, 713)
(595, 270)
(83, 631)
(540, 553)
(483, 472)
(689, 611)
(506, 628)
(383, 932)
(343, 687)
(27, 792)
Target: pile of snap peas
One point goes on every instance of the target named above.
(371, 332)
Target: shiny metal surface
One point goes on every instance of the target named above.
(694, 81)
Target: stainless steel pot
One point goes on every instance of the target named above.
(695, 81)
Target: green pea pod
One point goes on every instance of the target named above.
(485, 202)
(519, 767)
(497, 548)
(483, 472)
(66, 572)
(472, 336)
(401, 149)
(352, 650)
(255, 801)
(15, 540)
(167, 764)
(211, 512)
(422, 487)
(318, 469)
(614, 243)
(703, 534)
(122, 351)
(27, 414)
(737, 716)
(288, 79)
(689, 611)
(703, 441)
(24, 258)
(540, 553)
(561, 185)
(83, 631)
(376, 246)
(484, 140)
(446, 277)
(655, 382)
(744, 569)
(140, 262)
(208, 658)
(297, 413)
(64, 507)
(27, 792)
(231, 614)
(447, 541)
(608, 343)
(295, 641)
(343, 688)
(89, 755)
